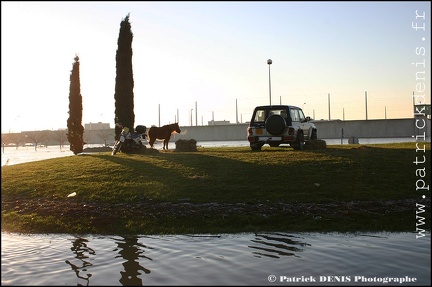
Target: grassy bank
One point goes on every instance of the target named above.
(216, 190)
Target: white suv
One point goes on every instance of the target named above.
(280, 124)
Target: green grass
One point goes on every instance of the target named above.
(224, 175)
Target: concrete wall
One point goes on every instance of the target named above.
(212, 133)
(370, 128)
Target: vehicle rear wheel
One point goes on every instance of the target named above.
(136, 148)
(255, 146)
(299, 145)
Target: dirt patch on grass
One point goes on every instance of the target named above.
(70, 207)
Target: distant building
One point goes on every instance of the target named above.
(97, 126)
(218, 123)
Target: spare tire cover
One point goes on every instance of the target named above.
(275, 125)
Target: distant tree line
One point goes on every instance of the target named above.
(47, 138)
(36, 138)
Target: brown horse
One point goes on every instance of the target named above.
(162, 133)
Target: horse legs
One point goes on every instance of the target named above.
(165, 143)
(151, 142)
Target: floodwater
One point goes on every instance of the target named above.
(276, 259)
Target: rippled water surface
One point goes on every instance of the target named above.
(226, 259)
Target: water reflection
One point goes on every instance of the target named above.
(131, 251)
(277, 245)
(231, 259)
(80, 249)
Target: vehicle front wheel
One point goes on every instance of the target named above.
(314, 135)
(116, 148)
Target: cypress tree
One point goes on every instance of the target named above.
(124, 83)
(74, 123)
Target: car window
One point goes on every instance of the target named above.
(284, 114)
(301, 115)
(295, 115)
(277, 112)
(259, 116)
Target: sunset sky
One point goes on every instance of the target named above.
(214, 54)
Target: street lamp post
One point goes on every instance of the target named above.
(269, 62)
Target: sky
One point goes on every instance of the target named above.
(194, 62)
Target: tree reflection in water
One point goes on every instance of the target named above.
(80, 249)
(131, 252)
(275, 245)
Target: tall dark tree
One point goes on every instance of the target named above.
(124, 84)
(74, 122)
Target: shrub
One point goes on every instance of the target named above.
(186, 145)
(149, 150)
